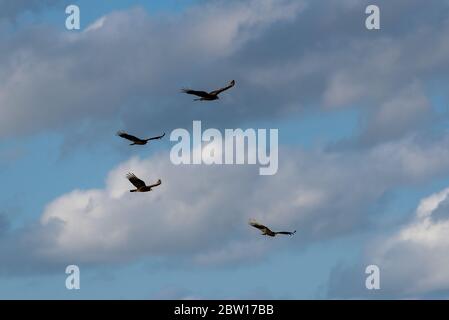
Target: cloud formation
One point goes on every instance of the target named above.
(200, 213)
(126, 61)
(412, 260)
(129, 66)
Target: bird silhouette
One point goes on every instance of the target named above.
(140, 185)
(137, 141)
(208, 96)
(267, 231)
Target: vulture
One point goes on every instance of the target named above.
(266, 231)
(208, 96)
(139, 184)
(136, 140)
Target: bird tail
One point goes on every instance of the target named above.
(135, 190)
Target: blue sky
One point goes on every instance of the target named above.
(363, 145)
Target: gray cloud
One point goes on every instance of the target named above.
(144, 63)
(129, 66)
(409, 110)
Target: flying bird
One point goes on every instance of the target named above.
(139, 184)
(266, 231)
(208, 96)
(136, 140)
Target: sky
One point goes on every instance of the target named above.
(363, 172)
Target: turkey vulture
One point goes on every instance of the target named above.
(266, 231)
(209, 96)
(136, 140)
(139, 184)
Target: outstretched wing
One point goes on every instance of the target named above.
(286, 232)
(158, 137)
(230, 85)
(257, 225)
(202, 94)
(135, 181)
(127, 136)
(158, 183)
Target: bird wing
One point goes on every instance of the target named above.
(127, 136)
(135, 181)
(286, 232)
(230, 85)
(158, 183)
(202, 94)
(158, 137)
(257, 225)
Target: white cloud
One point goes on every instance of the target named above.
(422, 243)
(413, 260)
(200, 213)
(97, 24)
(431, 203)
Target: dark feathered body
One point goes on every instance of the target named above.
(140, 185)
(267, 231)
(137, 141)
(209, 96)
